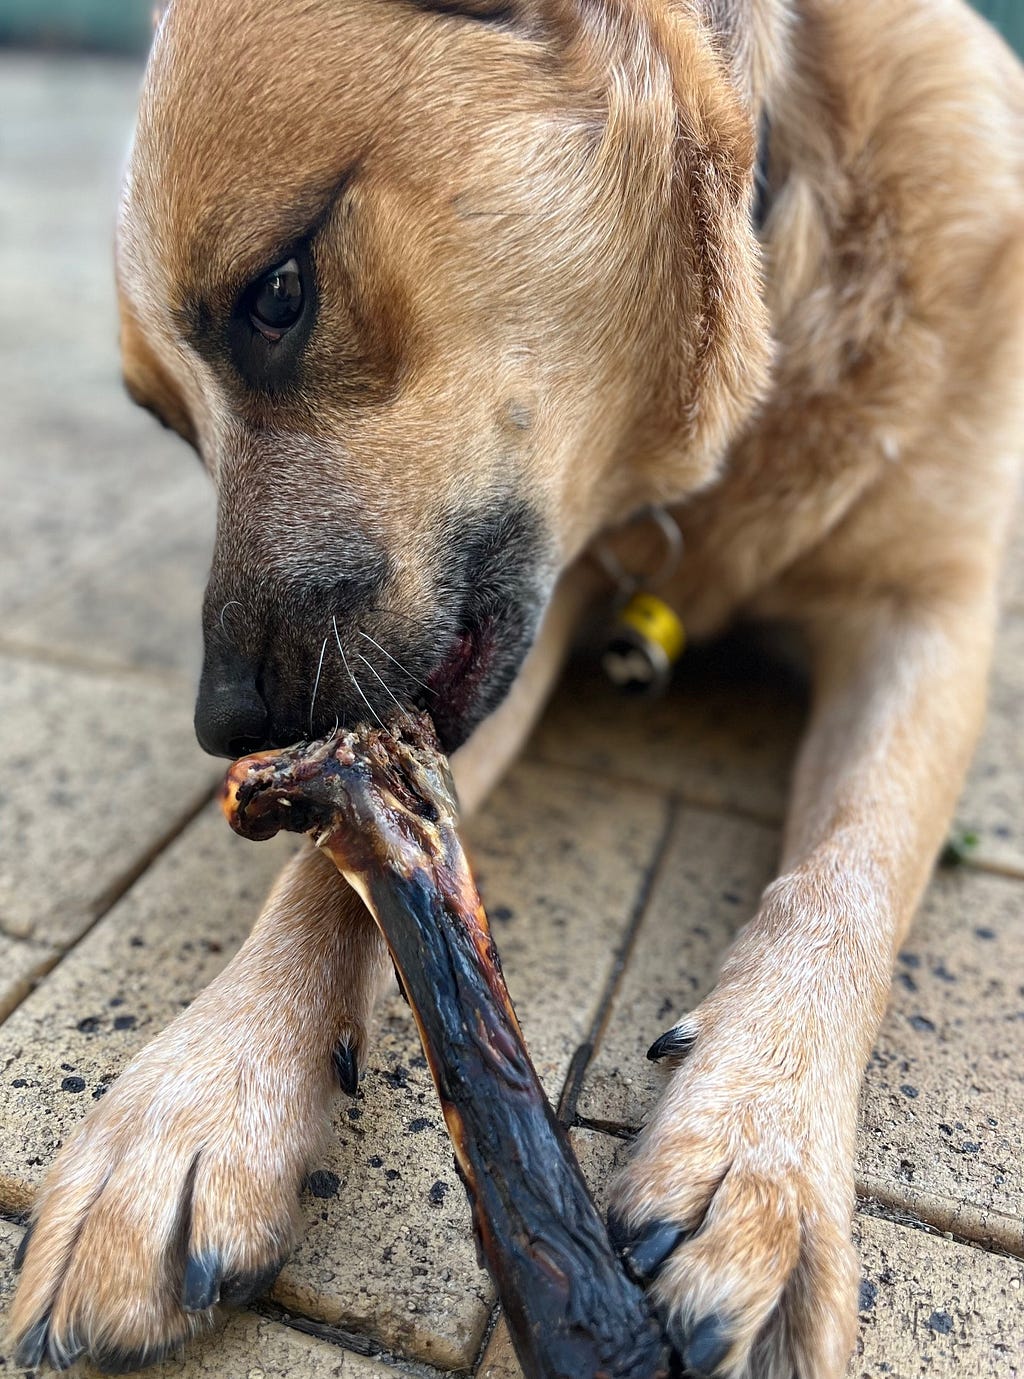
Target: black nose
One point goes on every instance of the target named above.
(231, 717)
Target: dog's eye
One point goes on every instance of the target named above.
(275, 301)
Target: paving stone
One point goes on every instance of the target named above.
(97, 769)
(942, 1123)
(242, 1345)
(714, 872)
(932, 1307)
(723, 736)
(942, 1115)
(928, 1306)
(726, 734)
(168, 937)
(79, 467)
(78, 493)
(22, 961)
(139, 603)
(992, 803)
(388, 1249)
(106, 519)
(560, 865)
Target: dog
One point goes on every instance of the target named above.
(440, 290)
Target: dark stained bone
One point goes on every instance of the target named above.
(382, 805)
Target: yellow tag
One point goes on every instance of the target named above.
(654, 620)
(644, 643)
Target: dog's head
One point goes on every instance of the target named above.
(437, 291)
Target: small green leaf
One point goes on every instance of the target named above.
(960, 846)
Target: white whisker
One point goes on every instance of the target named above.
(316, 683)
(397, 662)
(231, 603)
(348, 672)
(373, 671)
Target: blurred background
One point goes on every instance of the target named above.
(124, 25)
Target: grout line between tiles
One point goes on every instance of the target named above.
(159, 676)
(117, 890)
(609, 1128)
(682, 799)
(354, 1342)
(620, 959)
(489, 1330)
(764, 818)
(1006, 870)
(994, 1233)
(874, 1198)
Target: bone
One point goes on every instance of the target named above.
(382, 805)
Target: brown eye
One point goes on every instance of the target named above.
(276, 300)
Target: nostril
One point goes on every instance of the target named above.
(231, 718)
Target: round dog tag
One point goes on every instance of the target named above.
(644, 643)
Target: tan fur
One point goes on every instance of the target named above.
(584, 262)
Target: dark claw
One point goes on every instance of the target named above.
(22, 1250)
(33, 1345)
(674, 1043)
(647, 1254)
(347, 1068)
(240, 1289)
(201, 1288)
(704, 1347)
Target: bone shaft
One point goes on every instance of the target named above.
(544, 1243)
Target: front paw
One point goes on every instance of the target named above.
(735, 1212)
(180, 1190)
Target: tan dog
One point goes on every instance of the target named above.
(440, 290)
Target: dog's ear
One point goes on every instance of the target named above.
(725, 17)
(678, 114)
(753, 37)
(675, 110)
(720, 266)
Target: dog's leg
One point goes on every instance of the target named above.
(737, 1204)
(182, 1184)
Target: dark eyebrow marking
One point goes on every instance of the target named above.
(304, 220)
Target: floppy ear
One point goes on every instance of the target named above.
(705, 133)
(716, 144)
(725, 17)
(753, 36)
(677, 133)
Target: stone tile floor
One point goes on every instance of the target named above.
(614, 885)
